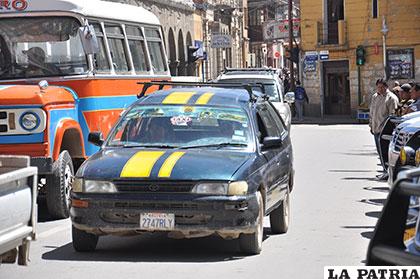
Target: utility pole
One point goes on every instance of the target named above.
(291, 68)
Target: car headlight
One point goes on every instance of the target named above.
(231, 189)
(211, 188)
(238, 188)
(406, 155)
(29, 121)
(417, 159)
(77, 185)
(93, 186)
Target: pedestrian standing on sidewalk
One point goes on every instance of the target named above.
(415, 95)
(384, 103)
(300, 98)
(405, 99)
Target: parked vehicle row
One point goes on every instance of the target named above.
(400, 142)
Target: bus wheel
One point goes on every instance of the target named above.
(59, 186)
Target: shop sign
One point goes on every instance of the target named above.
(200, 50)
(309, 65)
(279, 29)
(400, 63)
(221, 41)
(311, 55)
(13, 5)
(324, 55)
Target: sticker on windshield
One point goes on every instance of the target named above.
(188, 109)
(239, 133)
(181, 120)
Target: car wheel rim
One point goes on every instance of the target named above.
(68, 177)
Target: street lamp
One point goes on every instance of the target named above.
(384, 31)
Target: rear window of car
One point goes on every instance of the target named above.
(269, 85)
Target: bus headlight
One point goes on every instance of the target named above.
(29, 121)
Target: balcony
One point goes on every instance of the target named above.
(332, 34)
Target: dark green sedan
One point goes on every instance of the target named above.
(191, 162)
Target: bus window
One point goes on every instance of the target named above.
(154, 44)
(115, 37)
(137, 48)
(100, 60)
(41, 47)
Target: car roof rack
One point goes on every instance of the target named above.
(263, 69)
(247, 86)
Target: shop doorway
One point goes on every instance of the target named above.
(336, 88)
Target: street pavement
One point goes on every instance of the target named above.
(335, 205)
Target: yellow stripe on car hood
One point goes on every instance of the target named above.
(176, 98)
(170, 162)
(141, 164)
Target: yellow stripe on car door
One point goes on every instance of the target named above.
(204, 99)
(176, 98)
(141, 164)
(169, 164)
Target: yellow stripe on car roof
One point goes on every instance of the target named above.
(141, 164)
(204, 99)
(170, 162)
(176, 98)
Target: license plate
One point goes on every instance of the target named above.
(157, 221)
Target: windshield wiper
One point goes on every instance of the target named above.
(219, 145)
(149, 146)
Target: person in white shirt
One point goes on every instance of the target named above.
(384, 103)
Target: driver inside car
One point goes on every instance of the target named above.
(37, 65)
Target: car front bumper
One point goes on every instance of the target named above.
(195, 215)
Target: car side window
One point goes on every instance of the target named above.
(266, 123)
(277, 119)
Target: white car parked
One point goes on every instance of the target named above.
(272, 87)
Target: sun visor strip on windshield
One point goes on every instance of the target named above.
(183, 98)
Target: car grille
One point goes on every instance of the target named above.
(3, 122)
(135, 186)
(400, 139)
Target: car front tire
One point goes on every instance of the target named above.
(280, 217)
(251, 244)
(83, 241)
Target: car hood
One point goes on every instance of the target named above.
(412, 124)
(163, 164)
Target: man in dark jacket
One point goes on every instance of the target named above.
(300, 98)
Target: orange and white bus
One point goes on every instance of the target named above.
(69, 67)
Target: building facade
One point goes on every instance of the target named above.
(386, 33)
(268, 32)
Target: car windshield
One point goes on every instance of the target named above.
(40, 47)
(269, 86)
(175, 126)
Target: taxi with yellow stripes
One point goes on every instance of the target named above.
(191, 162)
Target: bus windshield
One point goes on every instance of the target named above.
(40, 47)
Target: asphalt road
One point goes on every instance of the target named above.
(335, 205)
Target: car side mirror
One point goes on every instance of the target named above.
(96, 138)
(271, 142)
(289, 97)
(89, 40)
